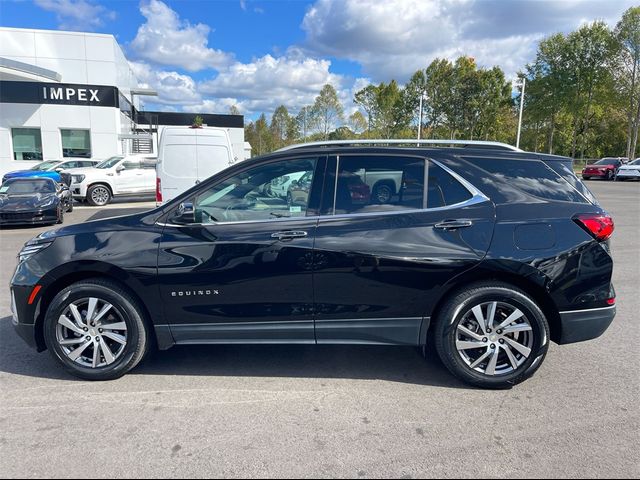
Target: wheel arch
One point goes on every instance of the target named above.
(100, 182)
(71, 273)
(385, 181)
(527, 283)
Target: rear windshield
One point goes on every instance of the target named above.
(533, 177)
(607, 161)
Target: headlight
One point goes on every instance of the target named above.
(30, 250)
(77, 178)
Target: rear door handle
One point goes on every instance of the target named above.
(453, 224)
(289, 235)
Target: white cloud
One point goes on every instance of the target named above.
(265, 83)
(174, 89)
(77, 14)
(166, 39)
(394, 38)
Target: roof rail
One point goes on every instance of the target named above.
(408, 142)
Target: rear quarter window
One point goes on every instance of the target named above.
(531, 176)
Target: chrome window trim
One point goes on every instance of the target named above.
(588, 310)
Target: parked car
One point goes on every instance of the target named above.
(279, 187)
(119, 175)
(491, 251)
(187, 156)
(33, 201)
(629, 170)
(50, 169)
(605, 168)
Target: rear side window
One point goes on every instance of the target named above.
(378, 184)
(566, 172)
(531, 176)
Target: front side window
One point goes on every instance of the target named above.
(266, 192)
(76, 143)
(131, 164)
(27, 143)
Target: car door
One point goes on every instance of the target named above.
(239, 267)
(380, 267)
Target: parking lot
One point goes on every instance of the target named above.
(339, 411)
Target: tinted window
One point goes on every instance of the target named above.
(76, 143)
(379, 184)
(265, 192)
(27, 143)
(443, 189)
(608, 161)
(565, 171)
(131, 164)
(532, 177)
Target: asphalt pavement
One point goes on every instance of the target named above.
(343, 411)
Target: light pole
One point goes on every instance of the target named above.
(524, 82)
(422, 92)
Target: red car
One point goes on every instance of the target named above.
(605, 168)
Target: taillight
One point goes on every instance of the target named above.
(158, 190)
(600, 226)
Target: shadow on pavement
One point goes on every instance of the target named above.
(394, 364)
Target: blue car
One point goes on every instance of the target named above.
(50, 169)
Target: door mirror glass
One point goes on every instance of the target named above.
(120, 168)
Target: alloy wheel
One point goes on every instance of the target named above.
(92, 333)
(383, 194)
(100, 195)
(494, 338)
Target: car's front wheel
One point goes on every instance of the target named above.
(95, 330)
(492, 335)
(98, 195)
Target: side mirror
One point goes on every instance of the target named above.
(120, 168)
(185, 214)
(59, 170)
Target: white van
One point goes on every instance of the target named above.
(187, 155)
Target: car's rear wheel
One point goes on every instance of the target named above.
(98, 195)
(60, 214)
(70, 205)
(492, 335)
(584, 177)
(382, 193)
(96, 330)
(609, 176)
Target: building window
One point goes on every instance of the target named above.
(27, 143)
(76, 143)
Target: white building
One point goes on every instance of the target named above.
(73, 94)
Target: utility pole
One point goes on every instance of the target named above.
(524, 82)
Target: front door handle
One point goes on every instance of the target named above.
(289, 235)
(453, 224)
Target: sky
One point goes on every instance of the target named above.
(207, 55)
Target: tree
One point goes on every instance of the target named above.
(327, 111)
(357, 122)
(304, 121)
(233, 110)
(279, 127)
(627, 35)
(367, 99)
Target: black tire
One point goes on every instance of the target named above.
(70, 205)
(101, 199)
(457, 308)
(128, 309)
(60, 220)
(382, 193)
(586, 178)
(609, 176)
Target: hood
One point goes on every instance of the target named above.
(27, 202)
(31, 173)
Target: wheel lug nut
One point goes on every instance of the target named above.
(100, 330)
(499, 332)
(493, 345)
(88, 337)
(485, 339)
(488, 330)
(85, 329)
(501, 340)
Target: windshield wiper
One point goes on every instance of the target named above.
(280, 215)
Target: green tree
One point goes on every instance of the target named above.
(627, 35)
(357, 122)
(234, 110)
(367, 99)
(327, 111)
(280, 124)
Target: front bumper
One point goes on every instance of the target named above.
(582, 325)
(78, 190)
(594, 173)
(629, 174)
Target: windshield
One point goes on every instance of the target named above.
(44, 166)
(635, 162)
(28, 186)
(109, 162)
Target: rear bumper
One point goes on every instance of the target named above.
(598, 173)
(582, 325)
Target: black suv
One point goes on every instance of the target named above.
(488, 252)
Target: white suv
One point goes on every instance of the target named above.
(120, 175)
